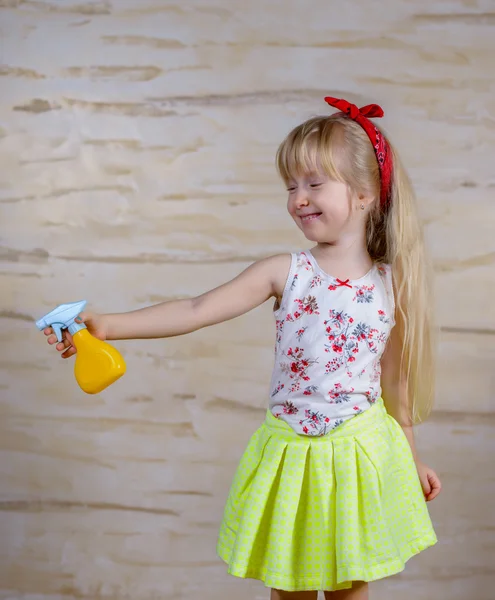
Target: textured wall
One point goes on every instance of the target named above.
(137, 140)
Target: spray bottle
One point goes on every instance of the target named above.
(98, 364)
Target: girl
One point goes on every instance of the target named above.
(330, 492)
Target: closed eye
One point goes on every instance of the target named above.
(316, 185)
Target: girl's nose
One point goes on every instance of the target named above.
(301, 199)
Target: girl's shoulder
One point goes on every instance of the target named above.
(278, 268)
(285, 267)
(386, 275)
(384, 269)
(385, 272)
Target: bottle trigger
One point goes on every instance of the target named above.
(57, 329)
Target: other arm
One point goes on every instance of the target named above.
(395, 396)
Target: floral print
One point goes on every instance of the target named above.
(310, 389)
(304, 262)
(329, 346)
(364, 293)
(279, 327)
(290, 408)
(376, 371)
(300, 333)
(345, 340)
(297, 367)
(383, 317)
(279, 387)
(315, 282)
(316, 423)
(338, 394)
(307, 305)
(371, 396)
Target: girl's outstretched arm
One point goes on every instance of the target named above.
(252, 287)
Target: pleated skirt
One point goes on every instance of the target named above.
(317, 513)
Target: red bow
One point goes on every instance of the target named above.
(371, 110)
(378, 140)
(343, 283)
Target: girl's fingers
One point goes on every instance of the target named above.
(65, 344)
(69, 352)
(433, 495)
(425, 485)
(52, 338)
(436, 486)
(69, 348)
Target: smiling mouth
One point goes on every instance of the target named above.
(310, 217)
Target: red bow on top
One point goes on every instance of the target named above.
(370, 111)
(378, 140)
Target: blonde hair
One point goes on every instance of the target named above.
(340, 147)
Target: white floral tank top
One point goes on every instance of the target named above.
(330, 337)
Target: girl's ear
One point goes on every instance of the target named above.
(363, 200)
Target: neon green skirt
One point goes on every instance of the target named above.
(308, 513)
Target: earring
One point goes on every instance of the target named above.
(362, 206)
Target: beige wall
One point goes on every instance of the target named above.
(137, 140)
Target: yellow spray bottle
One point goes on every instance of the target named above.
(98, 364)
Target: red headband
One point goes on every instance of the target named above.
(378, 140)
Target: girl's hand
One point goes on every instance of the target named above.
(97, 327)
(429, 481)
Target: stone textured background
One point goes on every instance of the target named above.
(137, 142)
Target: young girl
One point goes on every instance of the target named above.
(330, 492)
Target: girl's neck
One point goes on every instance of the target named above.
(349, 258)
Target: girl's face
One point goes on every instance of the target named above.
(321, 207)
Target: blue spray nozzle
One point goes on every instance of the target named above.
(63, 317)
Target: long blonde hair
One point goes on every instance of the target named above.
(340, 147)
